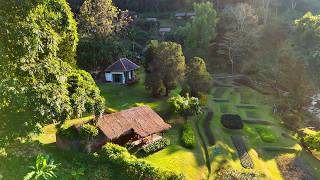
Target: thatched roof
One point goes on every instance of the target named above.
(122, 65)
(142, 120)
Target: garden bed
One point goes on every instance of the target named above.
(246, 106)
(258, 121)
(266, 134)
(207, 129)
(220, 100)
(243, 154)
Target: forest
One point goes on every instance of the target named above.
(159, 89)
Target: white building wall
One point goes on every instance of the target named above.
(110, 79)
(108, 76)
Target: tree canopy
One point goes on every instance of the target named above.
(40, 40)
(165, 66)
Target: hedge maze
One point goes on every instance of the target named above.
(245, 158)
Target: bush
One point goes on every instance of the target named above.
(155, 146)
(185, 106)
(266, 134)
(311, 139)
(88, 131)
(68, 133)
(188, 137)
(291, 121)
(231, 121)
(132, 166)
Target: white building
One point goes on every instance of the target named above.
(121, 71)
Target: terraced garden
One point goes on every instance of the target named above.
(262, 134)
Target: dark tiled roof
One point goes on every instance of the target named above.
(142, 120)
(122, 64)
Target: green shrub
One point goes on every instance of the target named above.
(311, 139)
(132, 166)
(185, 106)
(88, 131)
(155, 146)
(68, 133)
(188, 137)
(266, 134)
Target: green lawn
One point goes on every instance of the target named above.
(177, 158)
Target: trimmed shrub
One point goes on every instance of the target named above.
(188, 137)
(88, 131)
(157, 145)
(185, 106)
(231, 121)
(266, 134)
(132, 166)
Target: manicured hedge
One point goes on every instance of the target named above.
(132, 166)
(155, 146)
(231, 121)
(188, 138)
(266, 134)
(258, 121)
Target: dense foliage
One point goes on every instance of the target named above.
(188, 135)
(185, 106)
(311, 139)
(89, 131)
(134, 168)
(44, 168)
(197, 77)
(165, 66)
(40, 40)
(155, 146)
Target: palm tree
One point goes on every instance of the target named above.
(43, 169)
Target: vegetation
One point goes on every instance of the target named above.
(265, 134)
(185, 106)
(311, 139)
(165, 66)
(156, 146)
(34, 78)
(197, 77)
(188, 137)
(89, 131)
(134, 167)
(44, 168)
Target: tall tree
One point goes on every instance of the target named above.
(201, 30)
(40, 38)
(197, 77)
(99, 21)
(165, 66)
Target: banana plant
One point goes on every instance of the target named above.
(43, 169)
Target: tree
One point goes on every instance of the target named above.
(40, 38)
(201, 29)
(101, 18)
(165, 66)
(197, 77)
(185, 106)
(99, 21)
(43, 169)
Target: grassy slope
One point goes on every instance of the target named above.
(264, 161)
(177, 158)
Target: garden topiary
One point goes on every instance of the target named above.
(231, 121)
(188, 137)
